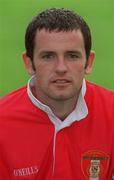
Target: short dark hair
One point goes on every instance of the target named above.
(58, 19)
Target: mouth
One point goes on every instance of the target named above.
(61, 81)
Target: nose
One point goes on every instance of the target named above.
(61, 66)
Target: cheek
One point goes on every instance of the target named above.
(41, 80)
(42, 74)
(79, 69)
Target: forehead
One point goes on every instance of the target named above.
(54, 39)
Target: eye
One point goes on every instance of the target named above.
(72, 56)
(48, 56)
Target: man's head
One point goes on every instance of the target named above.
(56, 20)
(58, 53)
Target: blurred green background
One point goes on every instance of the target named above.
(16, 14)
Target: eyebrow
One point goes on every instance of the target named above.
(75, 52)
(46, 52)
(66, 52)
(69, 51)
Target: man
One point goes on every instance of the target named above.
(59, 127)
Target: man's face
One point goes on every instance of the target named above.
(60, 64)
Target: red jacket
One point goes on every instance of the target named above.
(84, 149)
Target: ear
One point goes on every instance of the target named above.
(89, 64)
(28, 64)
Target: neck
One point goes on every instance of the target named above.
(61, 108)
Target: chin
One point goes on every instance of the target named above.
(61, 97)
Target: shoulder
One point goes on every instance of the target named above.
(99, 91)
(13, 98)
(17, 107)
(100, 100)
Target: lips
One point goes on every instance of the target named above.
(61, 81)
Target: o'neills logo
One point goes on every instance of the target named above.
(94, 164)
(26, 171)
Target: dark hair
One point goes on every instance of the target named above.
(58, 19)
